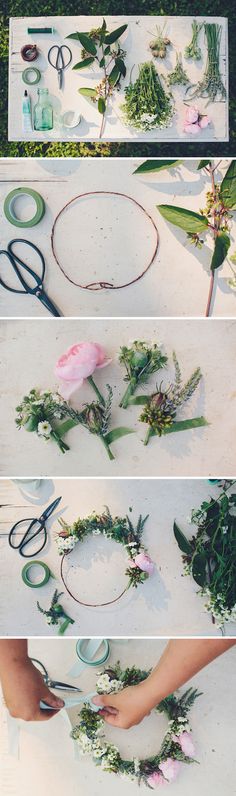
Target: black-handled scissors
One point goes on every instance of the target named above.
(34, 529)
(38, 290)
(54, 683)
(58, 62)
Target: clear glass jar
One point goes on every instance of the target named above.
(43, 111)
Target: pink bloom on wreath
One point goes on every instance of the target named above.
(194, 122)
(186, 743)
(78, 363)
(170, 768)
(143, 562)
(155, 780)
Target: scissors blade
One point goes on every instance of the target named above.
(47, 513)
(64, 686)
(42, 296)
(59, 74)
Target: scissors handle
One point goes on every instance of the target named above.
(28, 537)
(16, 261)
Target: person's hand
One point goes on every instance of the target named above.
(23, 688)
(127, 707)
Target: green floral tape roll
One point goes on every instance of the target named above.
(26, 76)
(8, 207)
(25, 576)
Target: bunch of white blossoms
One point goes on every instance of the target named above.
(66, 543)
(106, 686)
(216, 606)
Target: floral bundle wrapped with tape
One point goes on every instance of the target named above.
(210, 554)
(176, 749)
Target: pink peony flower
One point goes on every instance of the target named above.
(155, 780)
(194, 122)
(170, 768)
(78, 363)
(144, 562)
(186, 743)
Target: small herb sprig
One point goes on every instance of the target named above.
(210, 554)
(211, 84)
(160, 408)
(193, 50)
(102, 48)
(140, 360)
(147, 105)
(179, 75)
(56, 615)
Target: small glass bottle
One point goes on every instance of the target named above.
(43, 112)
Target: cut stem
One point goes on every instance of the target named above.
(96, 390)
(107, 447)
(128, 394)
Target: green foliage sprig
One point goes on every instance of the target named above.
(56, 615)
(140, 360)
(102, 48)
(210, 554)
(147, 105)
(179, 75)
(211, 84)
(89, 732)
(193, 50)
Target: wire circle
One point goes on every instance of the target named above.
(88, 605)
(102, 284)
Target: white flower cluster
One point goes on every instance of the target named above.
(216, 606)
(177, 726)
(107, 686)
(49, 620)
(131, 548)
(66, 543)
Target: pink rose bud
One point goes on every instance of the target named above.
(155, 780)
(78, 363)
(204, 121)
(192, 129)
(185, 741)
(170, 768)
(191, 115)
(144, 562)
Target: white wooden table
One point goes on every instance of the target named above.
(29, 352)
(104, 237)
(167, 604)
(46, 751)
(141, 29)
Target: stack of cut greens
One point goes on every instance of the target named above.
(147, 105)
(210, 555)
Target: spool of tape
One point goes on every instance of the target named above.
(84, 652)
(29, 52)
(25, 576)
(8, 207)
(31, 70)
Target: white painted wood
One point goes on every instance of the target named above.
(167, 604)
(104, 237)
(136, 42)
(46, 753)
(29, 352)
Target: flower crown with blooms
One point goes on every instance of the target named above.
(176, 748)
(41, 411)
(121, 530)
(210, 554)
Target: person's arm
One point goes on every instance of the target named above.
(181, 660)
(22, 684)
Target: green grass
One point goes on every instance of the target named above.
(20, 8)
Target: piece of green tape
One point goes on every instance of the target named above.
(26, 76)
(47, 574)
(9, 209)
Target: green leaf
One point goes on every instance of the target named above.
(101, 105)
(155, 165)
(116, 34)
(32, 423)
(107, 50)
(84, 63)
(138, 400)
(203, 163)
(199, 569)
(228, 187)
(184, 425)
(74, 36)
(102, 62)
(116, 433)
(185, 219)
(182, 541)
(114, 75)
(88, 92)
(121, 66)
(87, 43)
(66, 426)
(222, 244)
(212, 518)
